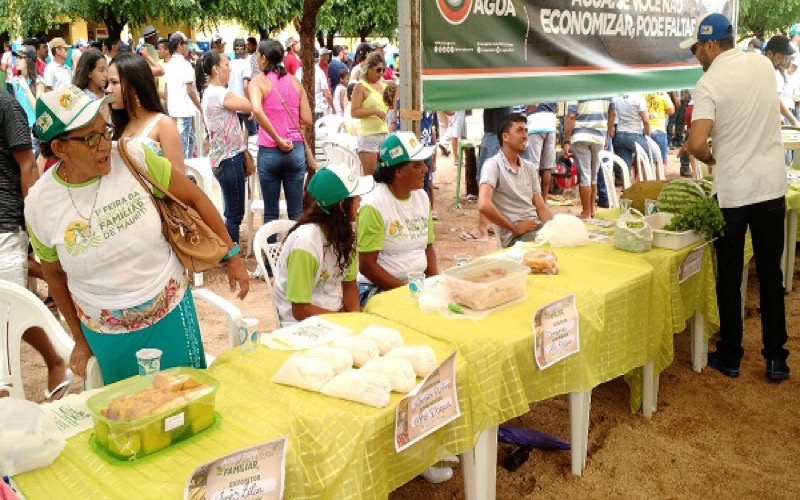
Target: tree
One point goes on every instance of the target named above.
(767, 16)
(363, 18)
(264, 16)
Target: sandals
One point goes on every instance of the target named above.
(470, 236)
(65, 386)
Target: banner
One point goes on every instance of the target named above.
(493, 53)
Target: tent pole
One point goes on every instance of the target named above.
(408, 16)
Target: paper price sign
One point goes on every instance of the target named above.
(555, 330)
(692, 264)
(429, 406)
(257, 473)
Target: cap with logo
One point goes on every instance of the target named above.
(794, 30)
(216, 37)
(64, 109)
(779, 44)
(58, 42)
(712, 27)
(336, 182)
(149, 31)
(402, 147)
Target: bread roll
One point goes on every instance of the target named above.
(399, 371)
(422, 358)
(304, 372)
(361, 348)
(386, 338)
(369, 388)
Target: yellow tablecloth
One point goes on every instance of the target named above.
(499, 347)
(336, 449)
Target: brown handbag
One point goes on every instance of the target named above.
(197, 246)
(249, 163)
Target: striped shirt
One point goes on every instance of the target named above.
(591, 120)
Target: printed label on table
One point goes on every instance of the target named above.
(173, 422)
(258, 473)
(691, 264)
(429, 406)
(71, 413)
(555, 329)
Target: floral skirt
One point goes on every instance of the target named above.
(177, 335)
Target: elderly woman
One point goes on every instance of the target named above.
(395, 229)
(368, 106)
(95, 228)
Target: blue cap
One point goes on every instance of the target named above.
(711, 27)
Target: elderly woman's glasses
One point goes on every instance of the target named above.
(92, 140)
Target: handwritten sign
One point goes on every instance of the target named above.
(428, 407)
(257, 473)
(555, 332)
(691, 264)
(71, 414)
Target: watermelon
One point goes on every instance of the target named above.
(641, 191)
(679, 194)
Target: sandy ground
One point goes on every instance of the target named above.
(711, 436)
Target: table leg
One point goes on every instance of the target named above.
(648, 385)
(458, 173)
(479, 466)
(579, 404)
(791, 247)
(699, 342)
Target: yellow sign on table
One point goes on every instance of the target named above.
(555, 330)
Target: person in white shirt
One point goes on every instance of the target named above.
(633, 124)
(742, 117)
(7, 66)
(322, 94)
(181, 97)
(239, 81)
(56, 74)
(779, 52)
(340, 100)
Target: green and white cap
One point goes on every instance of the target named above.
(64, 109)
(402, 147)
(336, 182)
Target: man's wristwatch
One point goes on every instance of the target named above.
(232, 252)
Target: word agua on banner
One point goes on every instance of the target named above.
(556, 332)
(258, 473)
(666, 19)
(428, 407)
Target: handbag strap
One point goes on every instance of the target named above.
(142, 174)
(288, 112)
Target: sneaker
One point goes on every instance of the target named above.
(437, 475)
(471, 197)
(434, 215)
(777, 370)
(716, 362)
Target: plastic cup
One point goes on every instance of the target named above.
(624, 204)
(149, 360)
(248, 334)
(462, 259)
(416, 282)
(650, 207)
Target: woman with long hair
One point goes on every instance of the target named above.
(228, 142)
(91, 74)
(24, 84)
(369, 108)
(318, 266)
(136, 110)
(280, 106)
(395, 228)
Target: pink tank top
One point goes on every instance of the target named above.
(273, 108)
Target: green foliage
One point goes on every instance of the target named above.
(364, 18)
(703, 216)
(259, 15)
(768, 16)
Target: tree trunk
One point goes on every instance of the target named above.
(114, 25)
(320, 39)
(307, 30)
(329, 39)
(263, 34)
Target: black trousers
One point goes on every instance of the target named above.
(766, 223)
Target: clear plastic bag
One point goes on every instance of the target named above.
(632, 233)
(29, 436)
(564, 230)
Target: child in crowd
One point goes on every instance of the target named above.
(340, 98)
(389, 94)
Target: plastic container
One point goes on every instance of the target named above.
(674, 240)
(486, 283)
(142, 415)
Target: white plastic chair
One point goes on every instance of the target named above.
(644, 168)
(607, 170)
(233, 316)
(20, 310)
(255, 205)
(327, 125)
(278, 228)
(200, 169)
(612, 159)
(341, 154)
(655, 156)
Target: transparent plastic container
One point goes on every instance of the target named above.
(674, 240)
(486, 283)
(143, 415)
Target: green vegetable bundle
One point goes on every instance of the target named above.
(703, 216)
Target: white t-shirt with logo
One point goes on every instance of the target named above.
(177, 73)
(122, 259)
(308, 273)
(399, 230)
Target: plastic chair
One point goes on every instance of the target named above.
(340, 154)
(607, 170)
(20, 310)
(644, 168)
(328, 125)
(611, 158)
(655, 156)
(200, 169)
(279, 229)
(255, 205)
(233, 316)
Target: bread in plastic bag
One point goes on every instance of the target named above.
(386, 338)
(563, 230)
(541, 261)
(369, 388)
(339, 357)
(632, 233)
(29, 437)
(399, 371)
(305, 372)
(361, 348)
(422, 357)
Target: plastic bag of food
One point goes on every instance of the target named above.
(632, 233)
(541, 262)
(29, 435)
(564, 230)
(305, 372)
